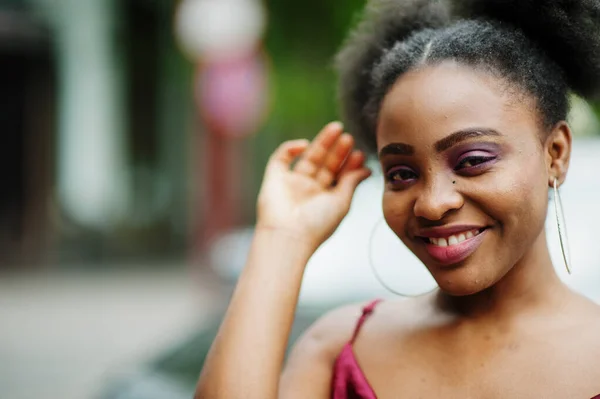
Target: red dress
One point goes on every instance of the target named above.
(349, 382)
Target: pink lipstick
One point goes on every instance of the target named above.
(447, 251)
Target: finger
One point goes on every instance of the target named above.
(349, 181)
(354, 161)
(288, 151)
(315, 155)
(335, 159)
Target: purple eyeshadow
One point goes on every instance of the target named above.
(480, 150)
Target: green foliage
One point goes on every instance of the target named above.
(301, 41)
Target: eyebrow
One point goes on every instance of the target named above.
(397, 149)
(442, 145)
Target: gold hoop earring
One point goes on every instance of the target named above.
(562, 228)
(376, 273)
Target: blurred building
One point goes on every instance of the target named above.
(27, 117)
(96, 115)
(107, 157)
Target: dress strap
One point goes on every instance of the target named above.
(366, 312)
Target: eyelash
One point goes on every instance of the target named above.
(477, 162)
(397, 172)
(479, 159)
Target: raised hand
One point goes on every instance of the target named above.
(311, 198)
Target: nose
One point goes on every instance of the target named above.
(438, 196)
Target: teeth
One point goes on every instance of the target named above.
(453, 239)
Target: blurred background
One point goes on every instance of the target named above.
(135, 134)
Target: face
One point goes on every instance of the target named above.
(466, 174)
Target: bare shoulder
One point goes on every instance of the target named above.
(588, 316)
(583, 309)
(333, 330)
(327, 336)
(309, 368)
(577, 341)
(394, 317)
(329, 333)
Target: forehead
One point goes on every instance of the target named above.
(427, 104)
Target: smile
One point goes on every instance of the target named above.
(456, 247)
(454, 239)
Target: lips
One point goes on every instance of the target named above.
(454, 238)
(449, 246)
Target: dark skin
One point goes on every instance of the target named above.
(456, 148)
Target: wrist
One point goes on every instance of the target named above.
(287, 237)
(278, 259)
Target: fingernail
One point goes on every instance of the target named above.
(336, 125)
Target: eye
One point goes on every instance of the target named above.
(474, 161)
(400, 176)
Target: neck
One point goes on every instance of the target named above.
(531, 284)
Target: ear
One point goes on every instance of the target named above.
(558, 153)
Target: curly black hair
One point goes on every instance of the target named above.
(545, 48)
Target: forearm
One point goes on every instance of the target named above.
(246, 358)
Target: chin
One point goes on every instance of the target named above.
(462, 281)
(461, 289)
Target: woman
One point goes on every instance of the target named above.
(466, 109)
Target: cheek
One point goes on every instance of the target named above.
(518, 198)
(396, 211)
